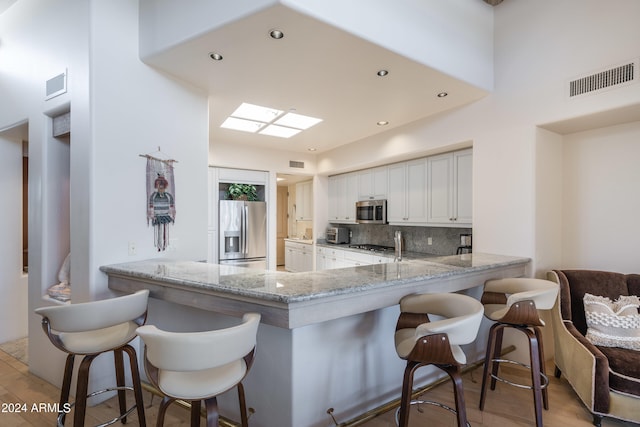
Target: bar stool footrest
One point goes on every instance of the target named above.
(544, 378)
(96, 393)
(428, 402)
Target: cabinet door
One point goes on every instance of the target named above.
(463, 196)
(396, 207)
(417, 191)
(346, 187)
(380, 183)
(365, 185)
(440, 184)
(372, 184)
(304, 201)
(333, 199)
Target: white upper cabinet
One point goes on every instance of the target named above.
(449, 188)
(343, 195)
(372, 184)
(304, 201)
(434, 190)
(407, 192)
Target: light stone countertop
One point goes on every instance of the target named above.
(288, 288)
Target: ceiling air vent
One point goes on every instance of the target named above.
(604, 79)
(296, 164)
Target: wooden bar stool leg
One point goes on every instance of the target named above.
(487, 362)
(458, 392)
(66, 384)
(545, 394)
(407, 389)
(535, 375)
(211, 405)
(497, 351)
(244, 418)
(82, 391)
(137, 387)
(162, 409)
(195, 413)
(122, 397)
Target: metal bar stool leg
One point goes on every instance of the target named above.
(195, 413)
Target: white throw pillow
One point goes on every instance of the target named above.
(613, 323)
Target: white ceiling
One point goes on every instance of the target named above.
(317, 70)
(5, 4)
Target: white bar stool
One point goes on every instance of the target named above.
(90, 329)
(421, 341)
(196, 366)
(514, 303)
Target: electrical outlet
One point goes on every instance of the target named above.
(429, 241)
(132, 248)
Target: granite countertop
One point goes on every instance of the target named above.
(285, 287)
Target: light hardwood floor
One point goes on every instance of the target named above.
(505, 407)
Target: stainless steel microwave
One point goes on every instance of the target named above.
(371, 212)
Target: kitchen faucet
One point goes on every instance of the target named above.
(397, 243)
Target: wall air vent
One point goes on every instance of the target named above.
(296, 164)
(617, 76)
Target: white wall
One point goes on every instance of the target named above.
(539, 47)
(120, 108)
(601, 199)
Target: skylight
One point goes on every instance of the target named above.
(268, 121)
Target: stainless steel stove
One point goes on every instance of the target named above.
(373, 248)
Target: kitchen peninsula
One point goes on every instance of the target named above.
(326, 338)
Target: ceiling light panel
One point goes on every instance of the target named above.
(256, 112)
(297, 121)
(242, 124)
(279, 131)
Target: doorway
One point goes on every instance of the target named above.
(288, 225)
(14, 228)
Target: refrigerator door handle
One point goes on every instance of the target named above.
(245, 231)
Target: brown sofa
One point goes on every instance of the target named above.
(607, 379)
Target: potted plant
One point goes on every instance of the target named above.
(242, 192)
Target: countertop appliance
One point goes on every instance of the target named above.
(337, 235)
(243, 233)
(371, 212)
(465, 244)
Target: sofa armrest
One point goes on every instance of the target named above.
(584, 366)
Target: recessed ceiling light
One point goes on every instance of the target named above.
(382, 123)
(312, 149)
(215, 56)
(382, 73)
(442, 94)
(256, 112)
(279, 131)
(297, 121)
(241, 124)
(276, 34)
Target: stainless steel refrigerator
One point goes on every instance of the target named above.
(243, 233)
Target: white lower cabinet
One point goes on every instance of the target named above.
(298, 256)
(330, 258)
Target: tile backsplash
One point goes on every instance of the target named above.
(445, 240)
